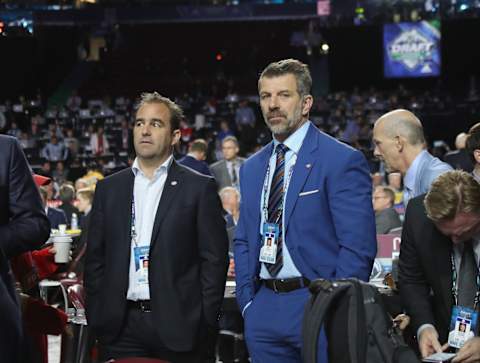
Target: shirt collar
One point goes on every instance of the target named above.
(294, 141)
(409, 180)
(162, 168)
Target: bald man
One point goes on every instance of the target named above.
(400, 143)
(460, 158)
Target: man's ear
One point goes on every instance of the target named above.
(307, 104)
(476, 155)
(400, 143)
(176, 136)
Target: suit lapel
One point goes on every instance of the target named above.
(303, 166)
(444, 250)
(127, 209)
(172, 185)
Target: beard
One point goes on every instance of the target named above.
(286, 125)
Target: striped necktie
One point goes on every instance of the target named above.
(275, 206)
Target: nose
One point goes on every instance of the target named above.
(376, 152)
(145, 130)
(273, 103)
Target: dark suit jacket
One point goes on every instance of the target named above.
(459, 159)
(387, 219)
(424, 268)
(69, 210)
(23, 227)
(23, 224)
(56, 216)
(10, 320)
(197, 165)
(188, 257)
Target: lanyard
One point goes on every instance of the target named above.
(133, 232)
(265, 193)
(455, 287)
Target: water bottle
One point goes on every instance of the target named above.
(74, 223)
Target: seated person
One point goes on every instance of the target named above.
(386, 217)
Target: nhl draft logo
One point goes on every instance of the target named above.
(411, 48)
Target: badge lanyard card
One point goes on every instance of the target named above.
(271, 230)
(463, 322)
(140, 253)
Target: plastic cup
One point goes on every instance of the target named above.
(62, 228)
(62, 246)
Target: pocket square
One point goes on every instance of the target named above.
(308, 193)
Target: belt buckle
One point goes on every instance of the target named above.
(144, 308)
(275, 289)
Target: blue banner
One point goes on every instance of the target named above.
(411, 49)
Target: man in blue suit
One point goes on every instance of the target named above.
(306, 213)
(55, 216)
(195, 159)
(400, 144)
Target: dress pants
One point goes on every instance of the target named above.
(138, 338)
(273, 327)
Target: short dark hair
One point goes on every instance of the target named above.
(298, 69)
(176, 112)
(473, 141)
(199, 145)
(67, 193)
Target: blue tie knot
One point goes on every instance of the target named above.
(281, 148)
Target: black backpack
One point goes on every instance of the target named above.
(358, 327)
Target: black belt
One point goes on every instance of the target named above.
(286, 285)
(143, 305)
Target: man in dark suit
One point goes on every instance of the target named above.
(67, 196)
(305, 213)
(23, 227)
(460, 159)
(195, 159)
(440, 232)
(227, 171)
(55, 216)
(386, 217)
(157, 249)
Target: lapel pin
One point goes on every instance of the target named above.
(308, 166)
(174, 182)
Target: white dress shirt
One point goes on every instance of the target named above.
(147, 194)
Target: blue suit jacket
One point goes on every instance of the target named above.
(329, 219)
(197, 165)
(56, 216)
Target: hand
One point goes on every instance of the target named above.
(402, 320)
(231, 268)
(469, 353)
(428, 342)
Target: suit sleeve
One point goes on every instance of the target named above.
(412, 283)
(95, 254)
(350, 198)
(244, 286)
(213, 250)
(29, 227)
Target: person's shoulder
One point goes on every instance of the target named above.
(218, 164)
(118, 176)
(192, 174)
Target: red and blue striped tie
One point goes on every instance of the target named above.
(275, 206)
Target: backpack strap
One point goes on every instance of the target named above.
(324, 293)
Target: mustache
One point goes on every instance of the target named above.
(274, 114)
